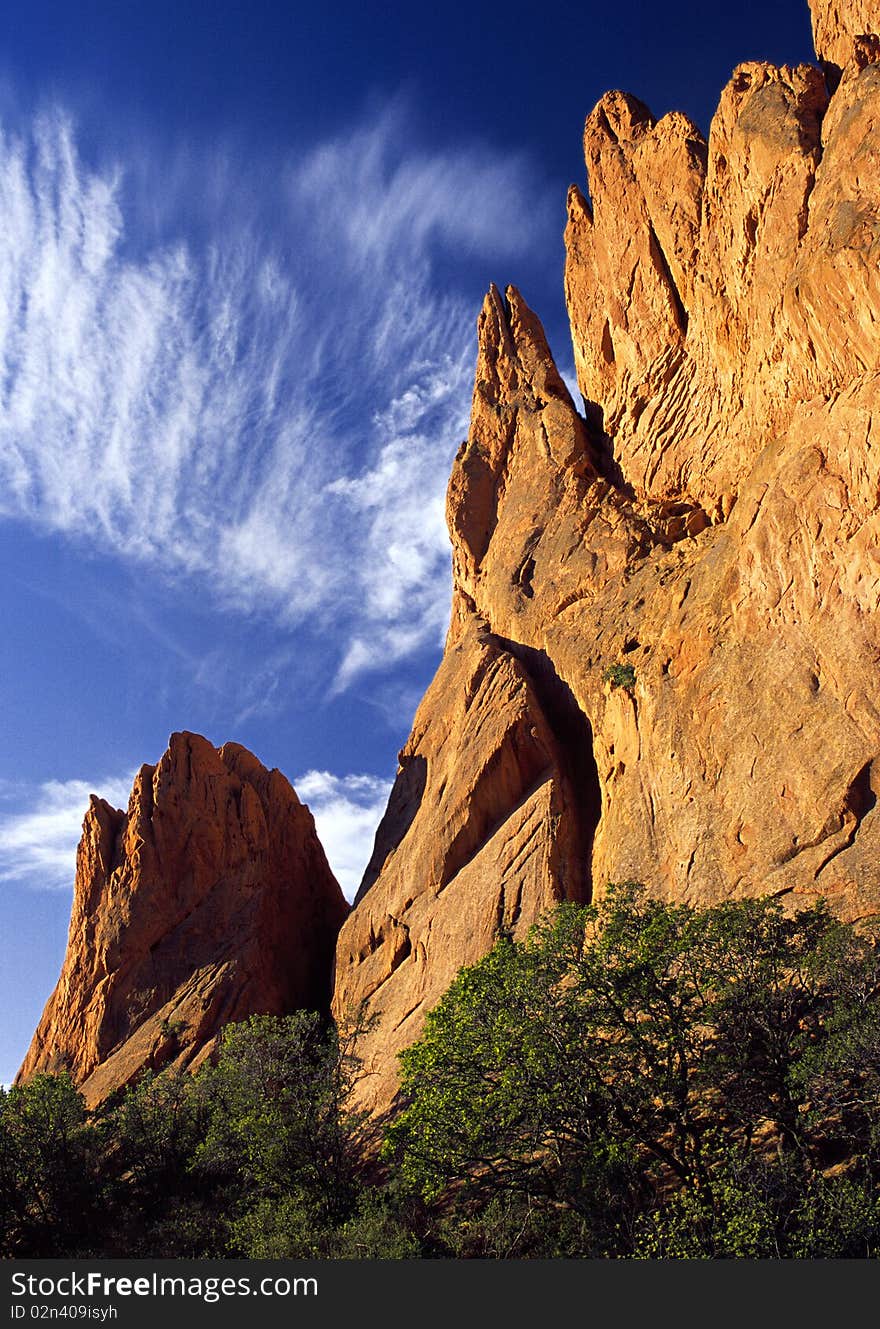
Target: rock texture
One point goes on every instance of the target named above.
(208, 901)
(837, 24)
(710, 520)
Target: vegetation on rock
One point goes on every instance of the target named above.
(619, 675)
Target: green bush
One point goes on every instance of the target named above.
(49, 1177)
(278, 1121)
(629, 1065)
(619, 675)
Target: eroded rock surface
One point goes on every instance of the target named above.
(838, 23)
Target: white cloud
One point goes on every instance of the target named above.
(385, 202)
(38, 838)
(347, 809)
(268, 407)
(569, 378)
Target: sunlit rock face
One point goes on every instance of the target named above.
(708, 520)
(210, 899)
(837, 26)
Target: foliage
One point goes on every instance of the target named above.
(287, 1228)
(635, 1050)
(765, 1208)
(499, 1096)
(158, 1127)
(278, 1122)
(48, 1173)
(634, 1078)
(255, 1154)
(160, 1204)
(619, 675)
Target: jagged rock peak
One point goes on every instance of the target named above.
(513, 353)
(522, 416)
(629, 275)
(208, 900)
(712, 287)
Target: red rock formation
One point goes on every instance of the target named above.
(208, 901)
(679, 279)
(713, 523)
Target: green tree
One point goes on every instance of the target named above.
(161, 1205)
(280, 1137)
(50, 1199)
(635, 1050)
(497, 1095)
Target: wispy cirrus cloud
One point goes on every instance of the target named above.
(267, 400)
(40, 828)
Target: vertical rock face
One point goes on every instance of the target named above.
(680, 278)
(209, 900)
(492, 814)
(481, 834)
(711, 521)
(712, 288)
(630, 269)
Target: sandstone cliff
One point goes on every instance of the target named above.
(710, 521)
(208, 901)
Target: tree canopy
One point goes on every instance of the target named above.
(633, 1078)
(634, 1063)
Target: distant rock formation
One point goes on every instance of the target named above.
(710, 525)
(209, 900)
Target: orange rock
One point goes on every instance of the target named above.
(836, 23)
(209, 900)
(481, 833)
(629, 272)
(712, 523)
(675, 284)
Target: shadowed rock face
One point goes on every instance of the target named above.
(209, 900)
(711, 520)
(494, 840)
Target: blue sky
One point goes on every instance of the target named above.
(242, 252)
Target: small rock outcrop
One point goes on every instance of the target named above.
(210, 899)
(838, 26)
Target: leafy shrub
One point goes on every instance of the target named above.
(633, 1051)
(49, 1182)
(619, 675)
